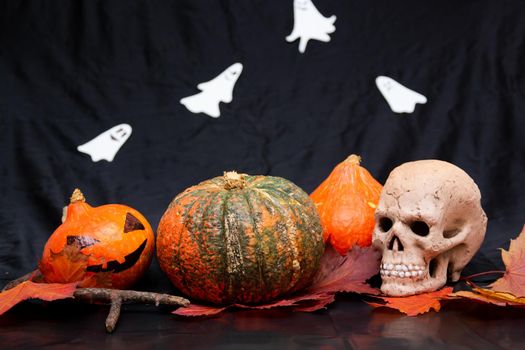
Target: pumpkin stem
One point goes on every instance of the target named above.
(232, 180)
(354, 158)
(77, 196)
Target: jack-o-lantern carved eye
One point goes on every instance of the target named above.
(81, 241)
(132, 223)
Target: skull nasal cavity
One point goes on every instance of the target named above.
(395, 244)
(419, 228)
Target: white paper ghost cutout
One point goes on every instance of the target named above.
(309, 23)
(400, 98)
(219, 89)
(106, 145)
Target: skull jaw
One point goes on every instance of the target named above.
(396, 287)
(433, 278)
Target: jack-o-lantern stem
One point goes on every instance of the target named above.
(77, 207)
(77, 196)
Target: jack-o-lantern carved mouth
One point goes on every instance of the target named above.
(114, 266)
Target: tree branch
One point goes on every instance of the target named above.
(92, 295)
(113, 296)
(26, 277)
(114, 313)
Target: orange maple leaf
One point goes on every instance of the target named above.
(416, 304)
(31, 290)
(67, 266)
(491, 297)
(70, 265)
(513, 281)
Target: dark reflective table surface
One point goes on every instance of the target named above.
(347, 324)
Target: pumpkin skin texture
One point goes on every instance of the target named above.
(108, 246)
(240, 239)
(346, 202)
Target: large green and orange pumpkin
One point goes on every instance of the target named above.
(107, 246)
(240, 239)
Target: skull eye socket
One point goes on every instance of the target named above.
(385, 224)
(420, 228)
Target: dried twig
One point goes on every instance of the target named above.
(29, 276)
(117, 297)
(114, 313)
(113, 296)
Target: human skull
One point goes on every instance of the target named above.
(429, 223)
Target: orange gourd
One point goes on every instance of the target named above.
(346, 202)
(107, 246)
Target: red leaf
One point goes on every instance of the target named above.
(337, 274)
(320, 300)
(199, 310)
(416, 304)
(31, 290)
(317, 304)
(346, 273)
(513, 281)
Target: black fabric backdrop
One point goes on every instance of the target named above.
(71, 70)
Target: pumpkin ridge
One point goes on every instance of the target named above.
(187, 193)
(287, 239)
(304, 239)
(199, 238)
(291, 230)
(286, 255)
(260, 261)
(274, 243)
(226, 255)
(195, 231)
(282, 192)
(183, 226)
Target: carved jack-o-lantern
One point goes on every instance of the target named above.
(107, 246)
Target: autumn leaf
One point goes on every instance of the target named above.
(513, 281)
(97, 280)
(489, 296)
(70, 265)
(67, 266)
(337, 273)
(415, 304)
(30, 290)
(321, 301)
(199, 310)
(300, 303)
(347, 273)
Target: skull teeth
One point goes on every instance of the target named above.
(402, 270)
